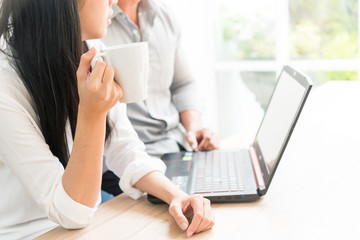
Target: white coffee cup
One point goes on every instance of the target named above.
(131, 64)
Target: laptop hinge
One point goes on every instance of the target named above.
(260, 183)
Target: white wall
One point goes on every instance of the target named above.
(195, 18)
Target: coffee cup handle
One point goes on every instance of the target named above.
(101, 57)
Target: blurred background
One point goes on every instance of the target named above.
(237, 48)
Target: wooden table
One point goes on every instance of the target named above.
(314, 194)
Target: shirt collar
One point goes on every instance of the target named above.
(146, 7)
(117, 11)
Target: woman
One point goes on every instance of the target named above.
(56, 115)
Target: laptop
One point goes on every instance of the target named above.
(244, 175)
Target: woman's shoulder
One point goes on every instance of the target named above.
(12, 89)
(8, 75)
(5, 65)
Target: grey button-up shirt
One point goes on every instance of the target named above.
(171, 87)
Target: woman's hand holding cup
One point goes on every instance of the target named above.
(98, 92)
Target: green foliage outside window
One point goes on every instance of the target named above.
(326, 29)
(323, 29)
(255, 46)
(251, 39)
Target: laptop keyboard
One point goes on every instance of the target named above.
(218, 172)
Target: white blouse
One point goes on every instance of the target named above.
(33, 199)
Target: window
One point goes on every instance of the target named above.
(246, 43)
(254, 39)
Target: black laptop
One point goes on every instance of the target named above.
(244, 175)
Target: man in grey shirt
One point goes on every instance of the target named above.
(173, 99)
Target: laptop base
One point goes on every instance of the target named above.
(215, 199)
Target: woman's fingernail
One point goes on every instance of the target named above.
(183, 226)
(189, 234)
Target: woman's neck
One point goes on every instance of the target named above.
(129, 7)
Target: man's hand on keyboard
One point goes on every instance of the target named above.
(203, 139)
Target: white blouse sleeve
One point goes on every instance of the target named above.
(125, 153)
(24, 152)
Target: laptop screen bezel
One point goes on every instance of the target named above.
(307, 84)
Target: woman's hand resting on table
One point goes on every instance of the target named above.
(192, 213)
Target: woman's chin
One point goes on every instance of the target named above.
(99, 34)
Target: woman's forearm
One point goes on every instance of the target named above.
(82, 176)
(158, 185)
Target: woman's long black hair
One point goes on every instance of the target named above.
(44, 39)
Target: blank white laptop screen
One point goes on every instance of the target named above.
(281, 111)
